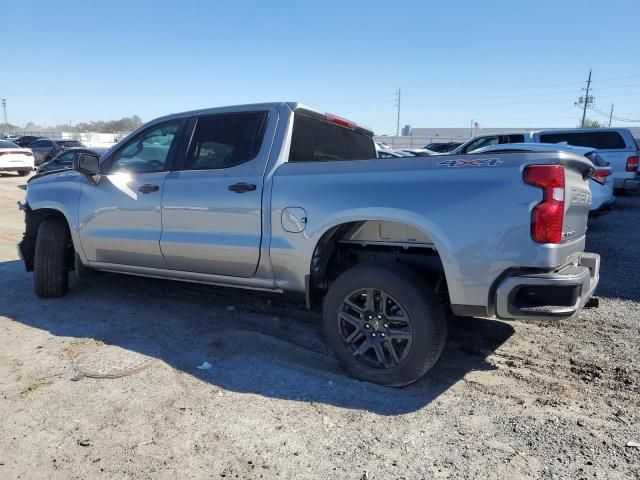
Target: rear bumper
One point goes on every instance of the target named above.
(603, 209)
(549, 295)
(629, 184)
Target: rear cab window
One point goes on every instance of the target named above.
(315, 140)
(597, 140)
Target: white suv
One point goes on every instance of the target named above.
(614, 145)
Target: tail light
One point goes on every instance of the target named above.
(601, 175)
(632, 164)
(547, 217)
(341, 122)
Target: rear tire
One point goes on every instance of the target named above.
(51, 260)
(23, 173)
(411, 309)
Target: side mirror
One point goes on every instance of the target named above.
(88, 165)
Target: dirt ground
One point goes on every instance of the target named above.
(507, 399)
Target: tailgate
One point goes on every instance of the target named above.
(577, 203)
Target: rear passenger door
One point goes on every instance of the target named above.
(212, 203)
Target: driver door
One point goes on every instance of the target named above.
(120, 216)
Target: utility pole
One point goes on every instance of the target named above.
(4, 109)
(611, 114)
(586, 100)
(398, 119)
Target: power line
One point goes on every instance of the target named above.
(610, 115)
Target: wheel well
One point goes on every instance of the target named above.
(34, 219)
(335, 253)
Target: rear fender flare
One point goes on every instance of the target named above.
(423, 224)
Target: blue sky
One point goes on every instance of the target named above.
(502, 63)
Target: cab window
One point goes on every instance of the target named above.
(66, 157)
(225, 140)
(147, 152)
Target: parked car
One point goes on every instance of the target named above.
(64, 160)
(14, 158)
(280, 197)
(481, 141)
(442, 147)
(11, 137)
(384, 153)
(600, 183)
(416, 152)
(616, 146)
(45, 150)
(26, 140)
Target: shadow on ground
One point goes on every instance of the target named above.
(256, 343)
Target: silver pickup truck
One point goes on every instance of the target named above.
(280, 197)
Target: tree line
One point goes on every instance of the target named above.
(125, 124)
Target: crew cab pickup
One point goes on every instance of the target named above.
(280, 197)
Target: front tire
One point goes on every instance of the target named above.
(51, 260)
(23, 173)
(384, 323)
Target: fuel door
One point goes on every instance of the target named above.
(294, 219)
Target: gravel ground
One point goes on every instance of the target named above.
(506, 400)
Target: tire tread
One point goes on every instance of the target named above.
(51, 275)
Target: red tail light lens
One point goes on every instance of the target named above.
(600, 176)
(632, 164)
(341, 122)
(548, 216)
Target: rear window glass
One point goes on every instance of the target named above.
(316, 141)
(224, 141)
(5, 144)
(597, 140)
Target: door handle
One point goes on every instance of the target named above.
(242, 187)
(148, 188)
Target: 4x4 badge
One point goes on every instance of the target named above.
(471, 162)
